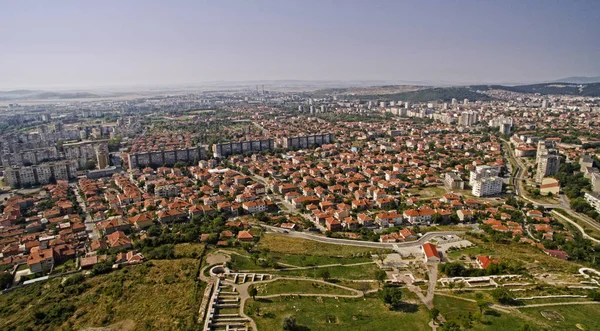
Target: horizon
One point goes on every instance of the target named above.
(73, 45)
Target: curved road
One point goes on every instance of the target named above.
(564, 203)
(303, 235)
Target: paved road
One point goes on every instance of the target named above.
(89, 222)
(304, 235)
(564, 203)
(585, 235)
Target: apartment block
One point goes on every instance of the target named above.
(42, 174)
(166, 157)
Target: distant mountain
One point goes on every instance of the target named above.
(562, 88)
(17, 95)
(579, 80)
(410, 93)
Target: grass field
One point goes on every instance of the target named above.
(452, 308)
(312, 260)
(585, 315)
(316, 313)
(470, 251)
(288, 245)
(190, 250)
(285, 286)
(156, 295)
(364, 271)
(429, 192)
(531, 258)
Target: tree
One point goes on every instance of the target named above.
(451, 326)
(5, 280)
(381, 255)
(381, 276)
(483, 306)
(252, 291)
(502, 295)
(433, 314)
(289, 323)
(324, 273)
(460, 285)
(392, 296)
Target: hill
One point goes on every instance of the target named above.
(579, 80)
(585, 90)
(42, 95)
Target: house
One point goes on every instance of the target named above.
(464, 215)
(407, 234)
(430, 253)
(256, 206)
(130, 257)
(385, 219)
(118, 240)
(245, 236)
(41, 260)
(333, 225)
(411, 216)
(171, 215)
(364, 219)
(484, 261)
(141, 221)
(113, 224)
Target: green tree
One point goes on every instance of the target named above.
(502, 295)
(289, 323)
(434, 313)
(5, 280)
(392, 296)
(325, 274)
(451, 326)
(252, 291)
(381, 276)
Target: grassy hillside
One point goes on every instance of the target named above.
(156, 295)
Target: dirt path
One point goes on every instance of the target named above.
(559, 304)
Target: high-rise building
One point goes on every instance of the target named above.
(468, 118)
(484, 181)
(41, 174)
(547, 160)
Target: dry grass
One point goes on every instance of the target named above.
(289, 245)
(190, 250)
(157, 295)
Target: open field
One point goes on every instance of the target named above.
(316, 313)
(428, 192)
(155, 295)
(189, 250)
(287, 245)
(531, 258)
(586, 316)
(470, 251)
(285, 286)
(364, 271)
(452, 308)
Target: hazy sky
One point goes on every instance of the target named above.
(103, 42)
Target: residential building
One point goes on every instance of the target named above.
(547, 159)
(594, 200)
(41, 174)
(453, 181)
(430, 253)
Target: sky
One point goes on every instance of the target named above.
(46, 44)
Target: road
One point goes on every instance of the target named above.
(303, 235)
(89, 222)
(563, 204)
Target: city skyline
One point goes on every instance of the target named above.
(85, 45)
